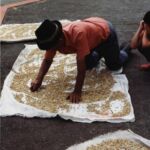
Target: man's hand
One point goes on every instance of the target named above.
(35, 85)
(141, 26)
(137, 36)
(74, 97)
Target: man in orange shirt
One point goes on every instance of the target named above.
(90, 39)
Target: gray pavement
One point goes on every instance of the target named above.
(18, 133)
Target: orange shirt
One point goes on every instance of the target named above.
(83, 36)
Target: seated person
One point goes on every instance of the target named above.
(141, 40)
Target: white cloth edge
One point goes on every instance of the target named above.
(120, 134)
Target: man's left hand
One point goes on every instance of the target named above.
(74, 97)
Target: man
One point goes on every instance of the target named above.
(141, 41)
(90, 39)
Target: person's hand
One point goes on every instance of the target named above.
(141, 25)
(74, 97)
(145, 67)
(35, 85)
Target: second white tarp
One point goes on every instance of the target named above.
(119, 140)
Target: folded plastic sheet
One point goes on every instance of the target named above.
(78, 112)
(121, 134)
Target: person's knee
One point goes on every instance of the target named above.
(123, 57)
(92, 60)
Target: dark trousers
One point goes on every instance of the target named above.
(108, 49)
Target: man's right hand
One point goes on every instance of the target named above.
(141, 26)
(35, 85)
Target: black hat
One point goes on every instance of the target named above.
(48, 34)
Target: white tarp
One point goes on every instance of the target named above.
(121, 134)
(78, 112)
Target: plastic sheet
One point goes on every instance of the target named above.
(78, 112)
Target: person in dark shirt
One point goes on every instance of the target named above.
(141, 41)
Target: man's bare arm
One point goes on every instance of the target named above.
(81, 70)
(135, 39)
(46, 63)
(75, 96)
(35, 85)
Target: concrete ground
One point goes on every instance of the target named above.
(18, 133)
(4, 2)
